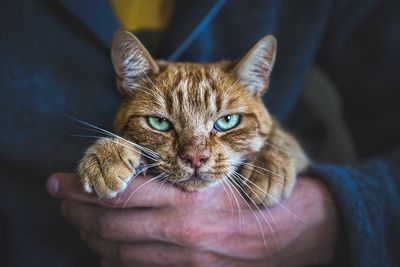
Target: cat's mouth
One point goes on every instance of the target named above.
(194, 178)
(194, 183)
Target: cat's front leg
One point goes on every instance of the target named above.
(271, 176)
(108, 165)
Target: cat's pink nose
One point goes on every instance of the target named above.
(197, 158)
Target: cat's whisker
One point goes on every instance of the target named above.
(269, 195)
(226, 192)
(144, 149)
(148, 166)
(116, 203)
(108, 133)
(100, 130)
(269, 214)
(155, 86)
(137, 151)
(97, 137)
(252, 166)
(162, 183)
(140, 151)
(155, 93)
(147, 102)
(86, 135)
(89, 129)
(159, 98)
(262, 214)
(252, 169)
(160, 176)
(273, 179)
(232, 183)
(240, 213)
(274, 173)
(298, 181)
(128, 147)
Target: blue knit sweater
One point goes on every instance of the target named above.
(54, 56)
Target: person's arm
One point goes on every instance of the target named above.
(368, 198)
(163, 225)
(361, 56)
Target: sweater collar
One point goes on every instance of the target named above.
(96, 15)
(190, 18)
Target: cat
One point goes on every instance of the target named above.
(197, 125)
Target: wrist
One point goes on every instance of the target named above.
(322, 222)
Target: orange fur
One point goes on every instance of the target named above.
(192, 97)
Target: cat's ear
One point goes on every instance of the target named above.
(254, 69)
(130, 58)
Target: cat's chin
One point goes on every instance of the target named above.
(195, 183)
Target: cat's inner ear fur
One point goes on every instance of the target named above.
(130, 59)
(254, 69)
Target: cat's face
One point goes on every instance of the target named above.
(203, 120)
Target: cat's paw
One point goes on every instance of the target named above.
(269, 184)
(107, 167)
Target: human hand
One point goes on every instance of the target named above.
(161, 225)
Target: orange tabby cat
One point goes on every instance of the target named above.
(198, 125)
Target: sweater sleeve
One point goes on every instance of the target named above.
(368, 198)
(360, 53)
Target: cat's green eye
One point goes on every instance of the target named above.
(159, 124)
(227, 122)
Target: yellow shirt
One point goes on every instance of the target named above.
(137, 15)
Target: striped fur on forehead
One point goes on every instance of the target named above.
(201, 91)
(192, 96)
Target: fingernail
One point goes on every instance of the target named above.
(53, 185)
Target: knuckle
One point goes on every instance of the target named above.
(104, 227)
(114, 202)
(188, 234)
(188, 199)
(200, 258)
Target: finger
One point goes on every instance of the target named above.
(184, 228)
(155, 253)
(67, 186)
(117, 224)
(141, 192)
